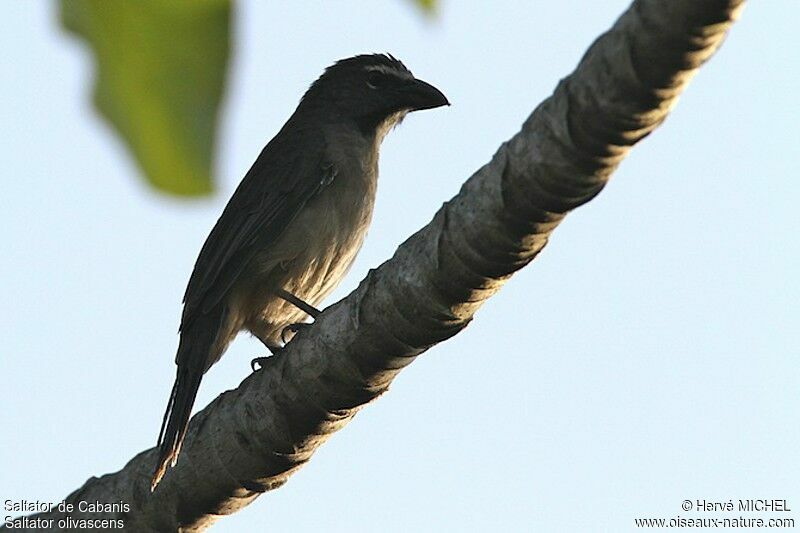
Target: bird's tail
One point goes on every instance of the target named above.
(176, 419)
(194, 357)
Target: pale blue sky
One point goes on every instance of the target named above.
(648, 356)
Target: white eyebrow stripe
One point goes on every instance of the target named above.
(384, 69)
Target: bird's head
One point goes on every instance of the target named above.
(375, 91)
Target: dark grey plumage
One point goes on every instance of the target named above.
(294, 224)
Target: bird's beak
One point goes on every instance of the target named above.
(422, 95)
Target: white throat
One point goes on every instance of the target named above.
(390, 122)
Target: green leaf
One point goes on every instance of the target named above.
(427, 6)
(161, 68)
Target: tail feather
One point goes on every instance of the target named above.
(176, 419)
(198, 349)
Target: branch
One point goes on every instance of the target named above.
(250, 440)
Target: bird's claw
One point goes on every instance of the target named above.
(261, 362)
(294, 328)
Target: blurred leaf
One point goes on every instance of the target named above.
(161, 68)
(428, 6)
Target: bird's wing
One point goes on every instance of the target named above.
(272, 193)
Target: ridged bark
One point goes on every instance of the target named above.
(250, 440)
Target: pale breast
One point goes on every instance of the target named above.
(314, 253)
(332, 227)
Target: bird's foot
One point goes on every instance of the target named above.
(294, 328)
(307, 308)
(261, 362)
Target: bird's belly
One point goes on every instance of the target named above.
(308, 260)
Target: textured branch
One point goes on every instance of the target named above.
(252, 439)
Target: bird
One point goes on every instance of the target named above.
(293, 226)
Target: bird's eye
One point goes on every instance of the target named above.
(376, 80)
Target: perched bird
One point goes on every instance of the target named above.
(294, 225)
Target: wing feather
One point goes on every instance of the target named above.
(281, 181)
